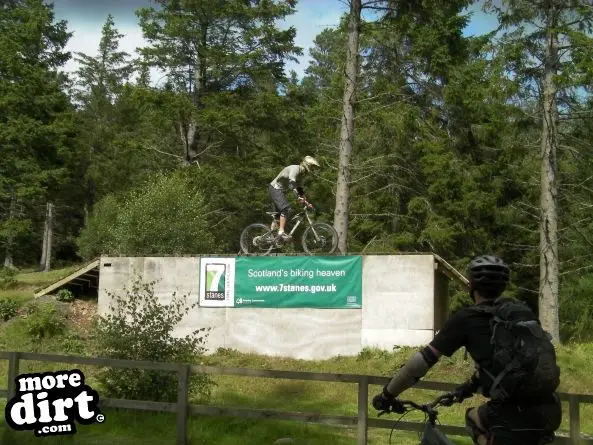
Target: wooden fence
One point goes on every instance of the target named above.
(184, 410)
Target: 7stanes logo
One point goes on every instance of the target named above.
(48, 403)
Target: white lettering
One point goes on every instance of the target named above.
(30, 384)
(44, 408)
(75, 379)
(83, 407)
(29, 408)
(264, 273)
(59, 405)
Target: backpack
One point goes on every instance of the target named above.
(523, 365)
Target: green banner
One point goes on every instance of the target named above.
(299, 282)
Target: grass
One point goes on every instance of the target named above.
(128, 427)
(28, 281)
(38, 279)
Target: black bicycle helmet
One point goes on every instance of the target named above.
(488, 270)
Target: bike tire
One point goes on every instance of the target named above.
(321, 227)
(246, 244)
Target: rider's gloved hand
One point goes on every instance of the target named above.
(385, 401)
(467, 389)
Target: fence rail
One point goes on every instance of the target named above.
(183, 409)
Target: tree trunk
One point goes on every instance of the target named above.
(548, 288)
(189, 130)
(8, 262)
(347, 130)
(8, 256)
(45, 262)
(90, 199)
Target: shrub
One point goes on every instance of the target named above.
(167, 215)
(44, 321)
(73, 344)
(139, 327)
(8, 308)
(7, 278)
(576, 310)
(64, 295)
(99, 235)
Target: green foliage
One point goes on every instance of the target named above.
(99, 235)
(64, 295)
(445, 150)
(36, 121)
(140, 327)
(72, 343)
(576, 310)
(166, 215)
(7, 278)
(44, 321)
(8, 308)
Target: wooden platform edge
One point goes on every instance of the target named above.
(450, 270)
(77, 273)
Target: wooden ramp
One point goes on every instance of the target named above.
(451, 271)
(87, 277)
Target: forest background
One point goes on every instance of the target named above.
(430, 139)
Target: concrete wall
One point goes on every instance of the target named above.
(399, 298)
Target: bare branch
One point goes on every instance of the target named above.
(164, 152)
(587, 267)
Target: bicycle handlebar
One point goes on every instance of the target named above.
(444, 400)
(308, 205)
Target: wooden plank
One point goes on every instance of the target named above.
(583, 398)
(574, 414)
(13, 372)
(363, 410)
(182, 405)
(562, 440)
(314, 418)
(422, 384)
(277, 374)
(114, 363)
(141, 405)
(5, 355)
(451, 271)
(87, 282)
(44, 291)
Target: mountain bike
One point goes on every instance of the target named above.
(317, 235)
(431, 434)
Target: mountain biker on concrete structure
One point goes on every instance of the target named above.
(289, 178)
(523, 407)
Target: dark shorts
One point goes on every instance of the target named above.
(510, 424)
(279, 200)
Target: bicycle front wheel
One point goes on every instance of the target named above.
(257, 239)
(320, 239)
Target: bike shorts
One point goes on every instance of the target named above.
(281, 204)
(525, 424)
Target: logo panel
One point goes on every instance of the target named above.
(49, 403)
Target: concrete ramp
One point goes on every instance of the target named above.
(85, 278)
(405, 300)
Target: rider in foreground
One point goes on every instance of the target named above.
(502, 419)
(289, 178)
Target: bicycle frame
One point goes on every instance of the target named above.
(431, 434)
(299, 217)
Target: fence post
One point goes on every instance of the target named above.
(182, 405)
(574, 416)
(13, 372)
(363, 413)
